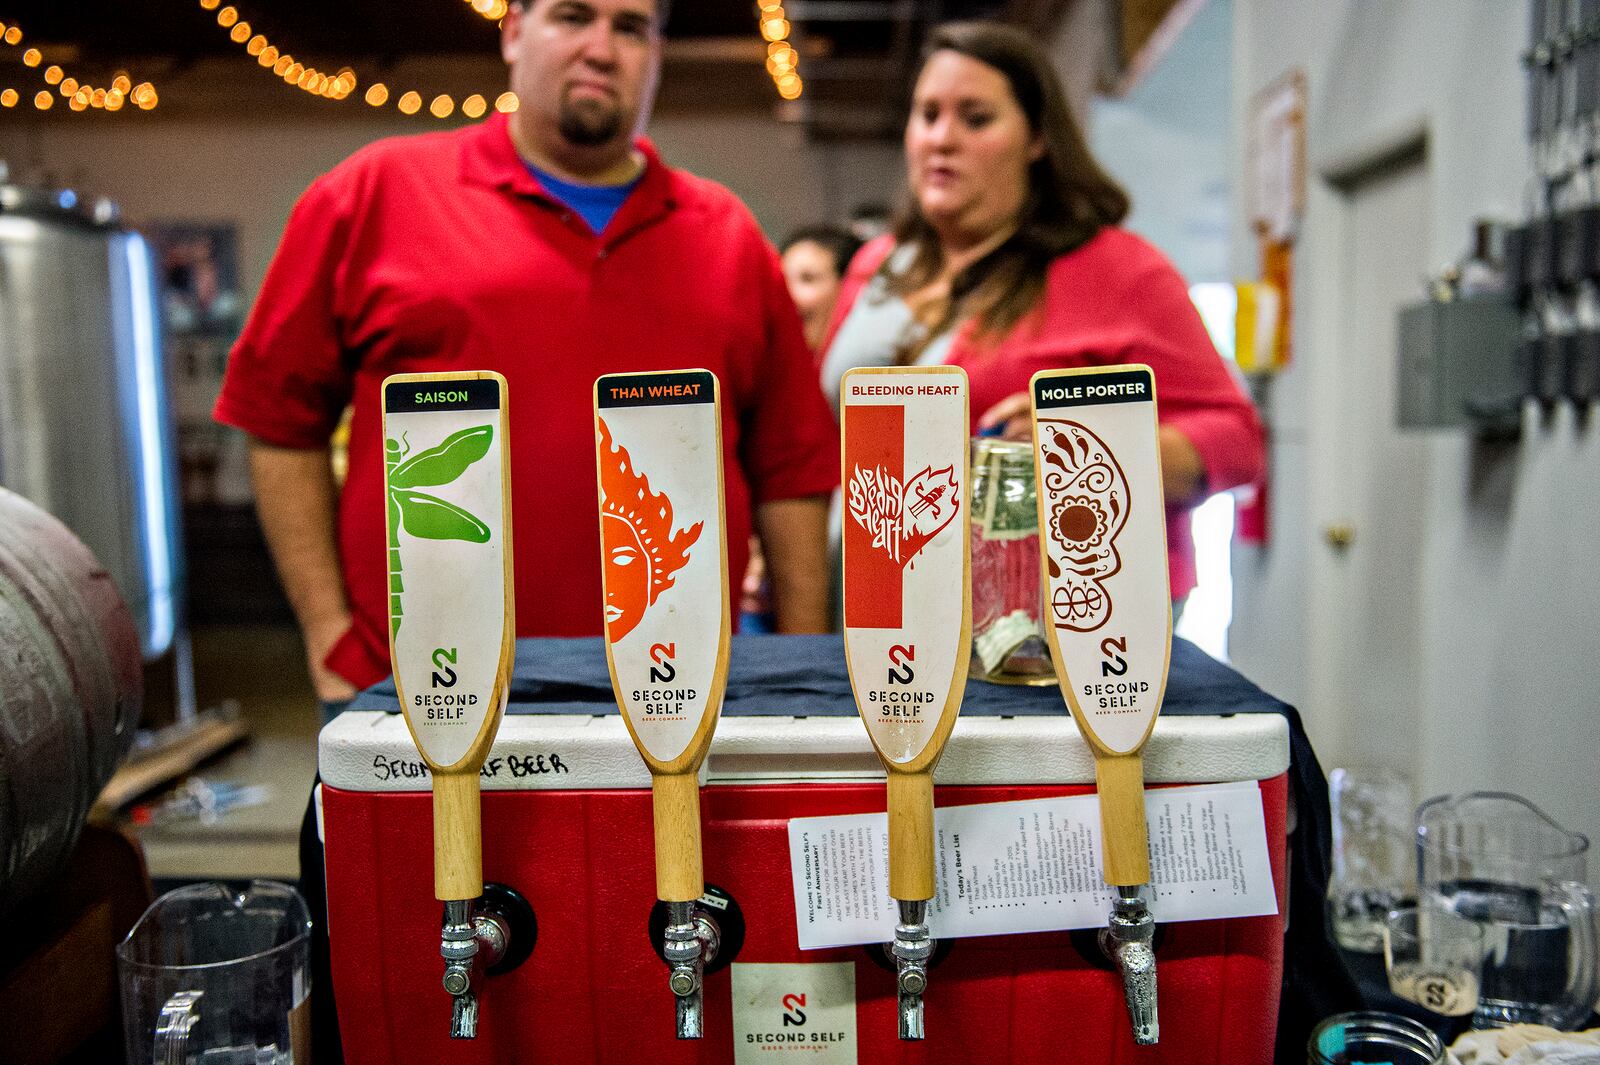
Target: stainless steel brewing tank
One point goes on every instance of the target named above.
(86, 428)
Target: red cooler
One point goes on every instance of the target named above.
(566, 822)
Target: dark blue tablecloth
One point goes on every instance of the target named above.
(805, 676)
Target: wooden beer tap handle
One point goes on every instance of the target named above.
(664, 565)
(1103, 559)
(680, 872)
(907, 547)
(1119, 779)
(911, 852)
(452, 627)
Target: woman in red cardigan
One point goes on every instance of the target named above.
(1008, 259)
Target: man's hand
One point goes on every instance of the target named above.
(1183, 472)
(794, 538)
(296, 499)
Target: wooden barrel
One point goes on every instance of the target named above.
(71, 688)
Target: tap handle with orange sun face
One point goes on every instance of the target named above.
(664, 565)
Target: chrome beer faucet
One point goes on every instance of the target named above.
(912, 949)
(469, 943)
(689, 944)
(1129, 941)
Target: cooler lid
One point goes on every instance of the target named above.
(372, 751)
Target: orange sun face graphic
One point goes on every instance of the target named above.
(642, 553)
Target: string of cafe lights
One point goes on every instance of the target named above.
(341, 85)
(80, 96)
(493, 10)
(783, 62)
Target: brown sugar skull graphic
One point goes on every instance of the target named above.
(1088, 503)
(641, 551)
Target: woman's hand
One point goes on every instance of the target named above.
(1014, 416)
(1183, 473)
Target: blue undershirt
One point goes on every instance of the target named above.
(595, 204)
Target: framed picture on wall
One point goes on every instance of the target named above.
(202, 313)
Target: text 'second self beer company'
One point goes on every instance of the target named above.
(1108, 614)
(907, 547)
(452, 629)
(664, 560)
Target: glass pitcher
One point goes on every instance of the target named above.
(1501, 861)
(210, 977)
(1008, 638)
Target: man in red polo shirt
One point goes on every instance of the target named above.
(552, 246)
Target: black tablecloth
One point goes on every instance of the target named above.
(805, 676)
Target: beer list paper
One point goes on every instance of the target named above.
(1034, 866)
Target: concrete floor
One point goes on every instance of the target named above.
(263, 670)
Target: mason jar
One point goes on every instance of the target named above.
(1008, 637)
(1371, 1038)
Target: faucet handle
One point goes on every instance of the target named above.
(1129, 941)
(690, 941)
(464, 1016)
(912, 950)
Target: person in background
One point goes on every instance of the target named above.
(814, 261)
(1008, 259)
(552, 245)
(869, 221)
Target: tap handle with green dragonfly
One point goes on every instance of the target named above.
(452, 629)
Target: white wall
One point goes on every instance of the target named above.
(1167, 143)
(1507, 691)
(248, 169)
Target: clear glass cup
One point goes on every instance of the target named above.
(1008, 637)
(1373, 1038)
(1433, 958)
(1498, 860)
(210, 977)
(1373, 866)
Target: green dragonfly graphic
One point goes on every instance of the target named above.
(425, 516)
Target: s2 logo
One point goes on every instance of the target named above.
(902, 655)
(447, 678)
(793, 1003)
(662, 655)
(1114, 665)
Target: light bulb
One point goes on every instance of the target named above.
(377, 94)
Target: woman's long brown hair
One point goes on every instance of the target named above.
(1069, 197)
